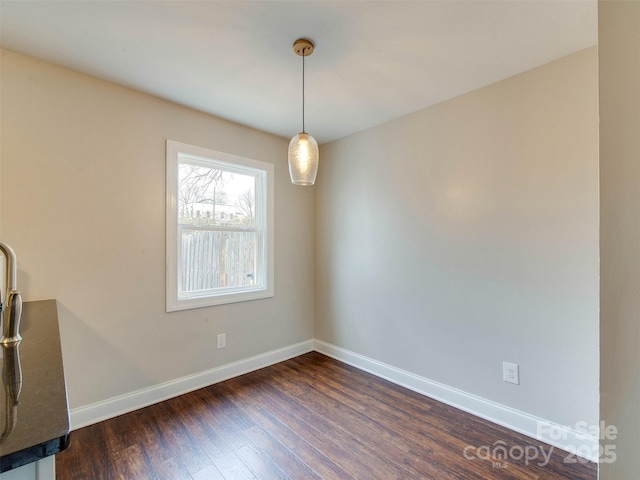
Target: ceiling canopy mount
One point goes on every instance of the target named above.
(303, 47)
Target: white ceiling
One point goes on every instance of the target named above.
(374, 60)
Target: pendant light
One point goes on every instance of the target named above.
(303, 148)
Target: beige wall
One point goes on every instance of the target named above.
(619, 61)
(466, 234)
(447, 241)
(83, 205)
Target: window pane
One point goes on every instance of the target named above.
(210, 196)
(219, 230)
(216, 260)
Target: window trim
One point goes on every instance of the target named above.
(232, 294)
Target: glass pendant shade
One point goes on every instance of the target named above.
(303, 159)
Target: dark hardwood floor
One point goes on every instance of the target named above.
(310, 417)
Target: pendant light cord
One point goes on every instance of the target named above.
(303, 55)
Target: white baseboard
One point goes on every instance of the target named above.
(99, 411)
(568, 439)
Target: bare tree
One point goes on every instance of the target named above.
(220, 198)
(195, 182)
(245, 203)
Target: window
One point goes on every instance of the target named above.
(219, 228)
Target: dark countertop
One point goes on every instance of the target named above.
(41, 417)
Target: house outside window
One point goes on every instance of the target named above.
(219, 228)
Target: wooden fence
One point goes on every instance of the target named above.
(216, 259)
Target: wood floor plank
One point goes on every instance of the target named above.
(318, 461)
(347, 445)
(172, 469)
(133, 463)
(149, 433)
(439, 423)
(284, 458)
(232, 467)
(222, 421)
(386, 435)
(201, 428)
(75, 464)
(344, 447)
(177, 439)
(261, 464)
(209, 473)
(311, 417)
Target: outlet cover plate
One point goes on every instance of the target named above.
(511, 373)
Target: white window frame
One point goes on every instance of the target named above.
(264, 195)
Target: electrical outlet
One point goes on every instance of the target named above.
(222, 340)
(510, 373)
